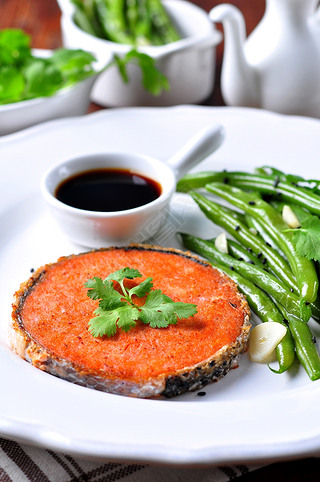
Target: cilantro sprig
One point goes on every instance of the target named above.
(152, 79)
(307, 237)
(117, 309)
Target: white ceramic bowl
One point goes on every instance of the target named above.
(71, 101)
(189, 63)
(96, 229)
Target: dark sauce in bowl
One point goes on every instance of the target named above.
(107, 190)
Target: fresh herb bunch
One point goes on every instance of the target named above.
(25, 76)
(117, 309)
(133, 22)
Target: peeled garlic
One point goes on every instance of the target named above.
(253, 231)
(221, 243)
(263, 340)
(290, 218)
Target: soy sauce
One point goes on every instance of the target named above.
(107, 190)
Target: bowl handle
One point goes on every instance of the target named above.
(200, 146)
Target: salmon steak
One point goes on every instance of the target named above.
(51, 314)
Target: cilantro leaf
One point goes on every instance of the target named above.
(159, 310)
(306, 238)
(30, 77)
(179, 309)
(128, 315)
(98, 288)
(42, 78)
(141, 289)
(152, 311)
(12, 85)
(117, 310)
(74, 65)
(152, 79)
(123, 273)
(156, 298)
(105, 321)
(25, 76)
(14, 47)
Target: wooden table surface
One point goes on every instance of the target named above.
(41, 20)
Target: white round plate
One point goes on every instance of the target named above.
(252, 414)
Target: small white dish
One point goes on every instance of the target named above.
(96, 229)
(68, 102)
(188, 64)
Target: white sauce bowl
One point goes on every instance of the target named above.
(97, 229)
(189, 63)
(68, 102)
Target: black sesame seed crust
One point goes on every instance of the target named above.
(209, 372)
(167, 386)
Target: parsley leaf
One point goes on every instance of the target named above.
(118, 310)
(307, 237)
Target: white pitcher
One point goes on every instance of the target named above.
(278, 66)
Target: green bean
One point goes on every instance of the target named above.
(262, 183)
(306, 350)
(230, 221)
(239, 252)
(272, 221)
(133, 22)
(227, 219)
(196, 180)
(85, 17)
(256, 275)
(143, 24)
(81, 19)
(308, 184)
(242, 254)
(315, 306)
(305, 347)
(254, 223)
(264, 308)
(131, 14)
(112, 20)
(162, 23)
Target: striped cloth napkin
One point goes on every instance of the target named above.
(22, 463)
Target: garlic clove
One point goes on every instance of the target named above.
(221, 243)
(290, 218)
(264, 339)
